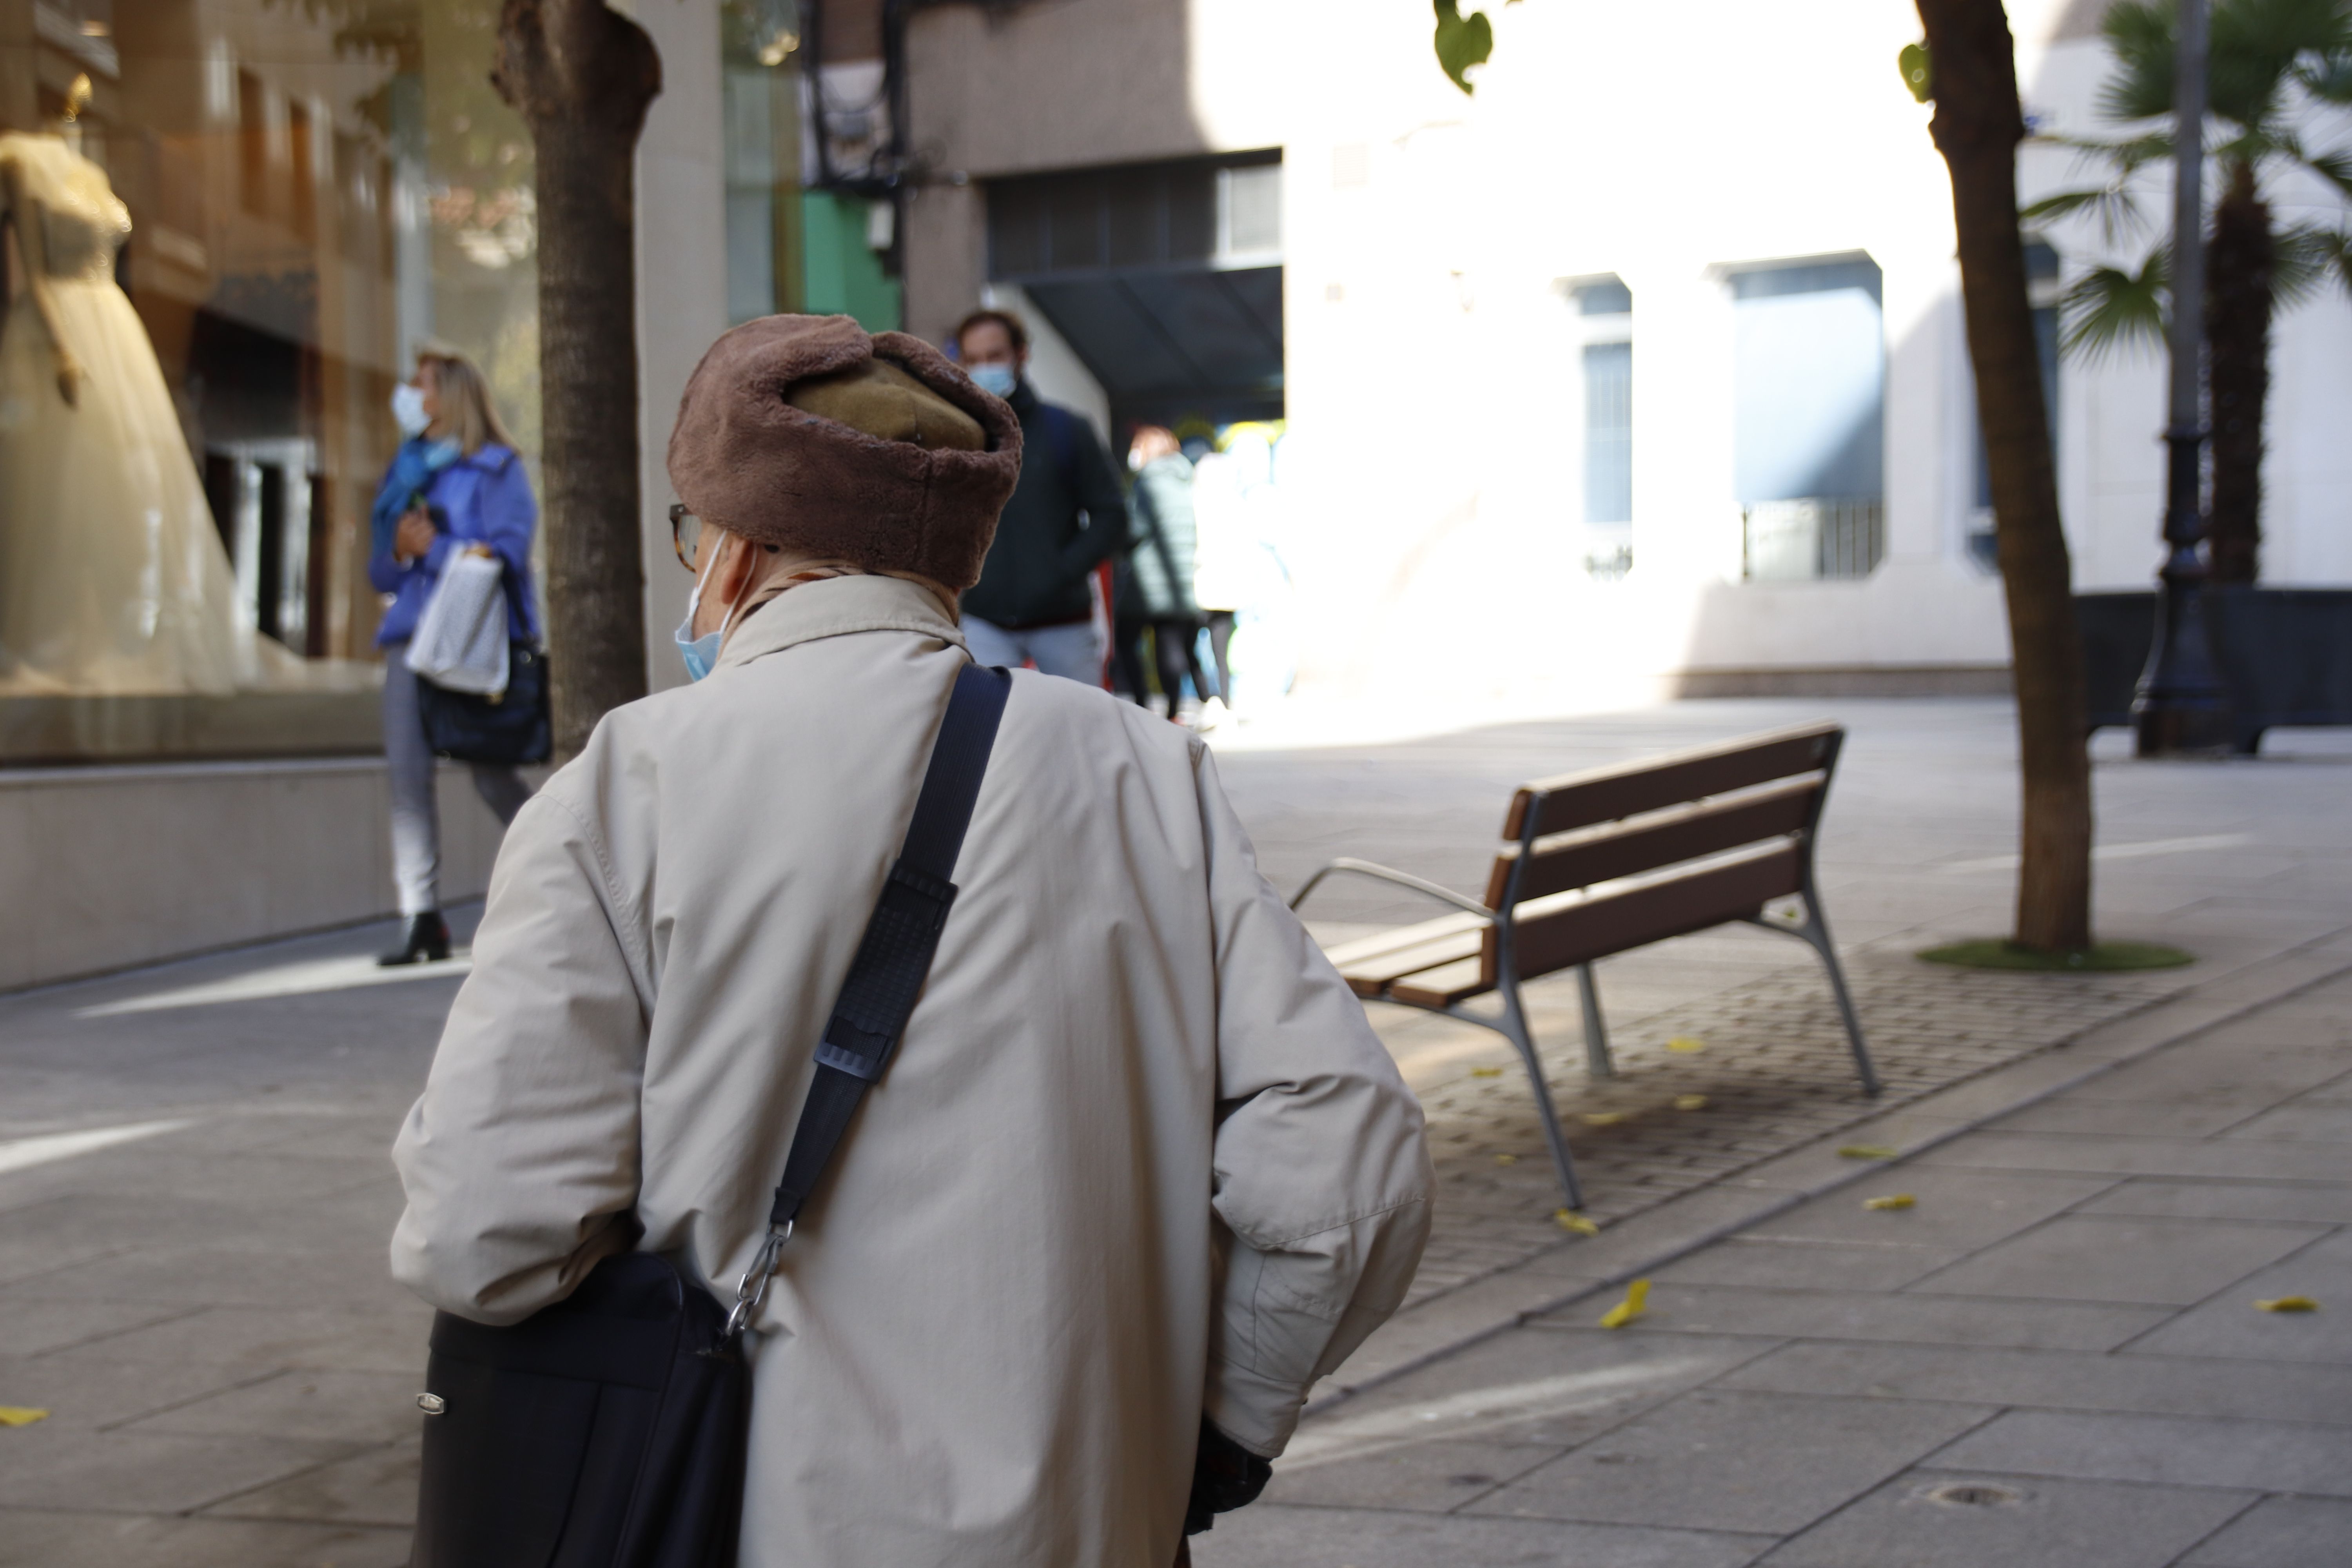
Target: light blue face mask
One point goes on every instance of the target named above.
(698, 654)
(997, 379)
(408, 409)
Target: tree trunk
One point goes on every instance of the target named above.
(581, 75)
(2239, 272)
(1977, 128)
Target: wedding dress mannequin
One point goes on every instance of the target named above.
(113, 579)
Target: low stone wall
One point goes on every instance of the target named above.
(68, 729)
(103, 867)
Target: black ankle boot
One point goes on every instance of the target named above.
(427, 942)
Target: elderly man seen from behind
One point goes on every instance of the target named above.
(1139, 1173)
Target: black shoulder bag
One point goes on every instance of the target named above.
(608, 1430)
(510, 729)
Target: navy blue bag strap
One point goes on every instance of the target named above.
(893, 958)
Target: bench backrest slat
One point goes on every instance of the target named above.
(1663, 838)
(1628, 789)
(1587, 929)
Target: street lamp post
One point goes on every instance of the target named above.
(2180, 708)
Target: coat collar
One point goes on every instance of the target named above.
(836, 606)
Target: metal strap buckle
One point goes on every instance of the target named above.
(753, 1289)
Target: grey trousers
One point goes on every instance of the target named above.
(415, 817)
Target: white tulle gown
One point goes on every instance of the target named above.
(113, 580)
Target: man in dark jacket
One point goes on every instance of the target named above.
(1068, 516)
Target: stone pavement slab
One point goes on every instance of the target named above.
(2017, 1522)
(1273, 1536)
(2164, 1262)
(2136, 1383)
(1765, 1463)
(2280, 1533)
(2163, 1450)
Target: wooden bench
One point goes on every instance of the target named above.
(1609, 859)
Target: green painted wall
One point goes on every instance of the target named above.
(842, 275)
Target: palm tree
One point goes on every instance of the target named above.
(2272, 63)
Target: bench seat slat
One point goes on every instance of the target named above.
(1682, 833)
(1370, 963)
(1626, 789)
(1579, 928)
(1445, 985)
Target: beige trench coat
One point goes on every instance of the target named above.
(1137, 1158)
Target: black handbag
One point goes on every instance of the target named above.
(510, 729)
(609, 1430)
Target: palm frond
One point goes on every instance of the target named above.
(2327, 77)
(2308, 256)
(2110, 311)
(2300, 260)
(2261, 46)
(2140, 34)
(2116, 208)
(2336, 168)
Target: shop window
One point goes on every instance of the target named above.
(1809, 418)
(312, 192)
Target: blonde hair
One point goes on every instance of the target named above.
(464, 398)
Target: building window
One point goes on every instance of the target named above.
(1809, 418)
(1604, 320)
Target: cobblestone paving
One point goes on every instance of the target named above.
(1774, 1070)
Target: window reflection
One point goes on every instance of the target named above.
(314, 187)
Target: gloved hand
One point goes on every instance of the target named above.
(1225, 1476)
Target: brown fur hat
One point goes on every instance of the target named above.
(746, 457)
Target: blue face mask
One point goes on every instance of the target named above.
(698, 654)
(408, 409)
(997, 379)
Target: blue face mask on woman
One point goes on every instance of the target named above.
(700, 654)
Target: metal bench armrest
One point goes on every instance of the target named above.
(1403, 880)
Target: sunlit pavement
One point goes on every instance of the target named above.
(2057, 1353)
(194, 1199)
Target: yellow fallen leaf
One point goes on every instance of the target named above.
(1891, 1201)
(1690, 1102)
(1685, 1044)
(1507, 1159)
(1603, 1118)
(1867, 1152)
(1636, 1302)
(1485, 1072)
(20, 1415)
(1569, 1219)
(2289, 1304)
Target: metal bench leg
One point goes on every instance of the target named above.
(1514, 1027)
(1816, 934)
(1596, 1033)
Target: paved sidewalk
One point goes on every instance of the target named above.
(2054, 1359)
(195, 1194)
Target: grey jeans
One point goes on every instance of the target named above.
(1074, 651)
(415, 815)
